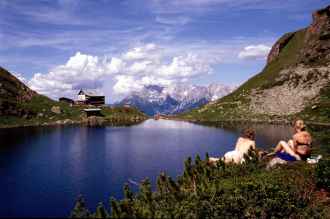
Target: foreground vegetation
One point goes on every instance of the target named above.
(297, 190)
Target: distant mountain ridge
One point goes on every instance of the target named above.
(153, 99)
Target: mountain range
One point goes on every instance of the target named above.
(173, 99)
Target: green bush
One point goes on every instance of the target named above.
(322, 174)
(221, 191)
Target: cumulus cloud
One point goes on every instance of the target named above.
(80, 71)
(129, 71)
(254, 52)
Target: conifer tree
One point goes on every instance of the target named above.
(101, 212)
(80, 210)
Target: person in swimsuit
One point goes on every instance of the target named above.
(299, 147)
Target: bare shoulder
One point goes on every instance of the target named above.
(245, 141)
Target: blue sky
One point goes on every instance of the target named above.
(117, 46)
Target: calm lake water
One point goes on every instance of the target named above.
(43, 170)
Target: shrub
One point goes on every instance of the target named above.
(222, 191)
(322, 174)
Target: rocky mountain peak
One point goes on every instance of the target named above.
(278, 46)
(321, 19)
(153, 99)
(316, 40)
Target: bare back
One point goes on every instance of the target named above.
(302, 138)
(244, 144)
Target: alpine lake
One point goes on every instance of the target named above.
(44, 169)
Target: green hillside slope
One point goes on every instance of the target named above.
(294, 83)
(21, 106)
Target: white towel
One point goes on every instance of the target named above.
(234, 156)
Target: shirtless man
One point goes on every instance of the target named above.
(243, 144)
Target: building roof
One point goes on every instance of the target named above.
(65, 98)
(89, 93)
(92, 110)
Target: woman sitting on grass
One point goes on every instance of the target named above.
(243, 145)
(299, 147)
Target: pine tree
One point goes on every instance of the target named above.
(101, 212)
(80, 210)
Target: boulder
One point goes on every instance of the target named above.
(95, 121)
(56, 109)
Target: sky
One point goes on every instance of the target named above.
(117, 46)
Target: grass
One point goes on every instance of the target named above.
(319, 111)
(288, 56)
(38, 111)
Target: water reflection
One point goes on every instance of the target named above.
(43, 170)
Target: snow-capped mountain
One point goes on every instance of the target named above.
(153, 99)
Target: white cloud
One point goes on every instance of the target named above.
(254, 52)
(80, 71)
(179, 20)
(126, 84)
(142, 65)
(185, 66)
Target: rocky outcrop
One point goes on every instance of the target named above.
(278, 46)
(295, 88)
(317, 39)
(299, 83)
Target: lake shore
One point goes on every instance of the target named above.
(86, 122)
(109, 116)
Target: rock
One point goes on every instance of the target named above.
(67, 122)
(94, 121)
(316, 42)
(58, 122)
(297, 87)
(56, 109)
(278, 46)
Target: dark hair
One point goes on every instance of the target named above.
(248, 133)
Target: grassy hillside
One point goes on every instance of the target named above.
(40, 113)
(20, 106)
(319, 110)
(289, 56)
(236, 106)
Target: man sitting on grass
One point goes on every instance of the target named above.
(243, 145)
